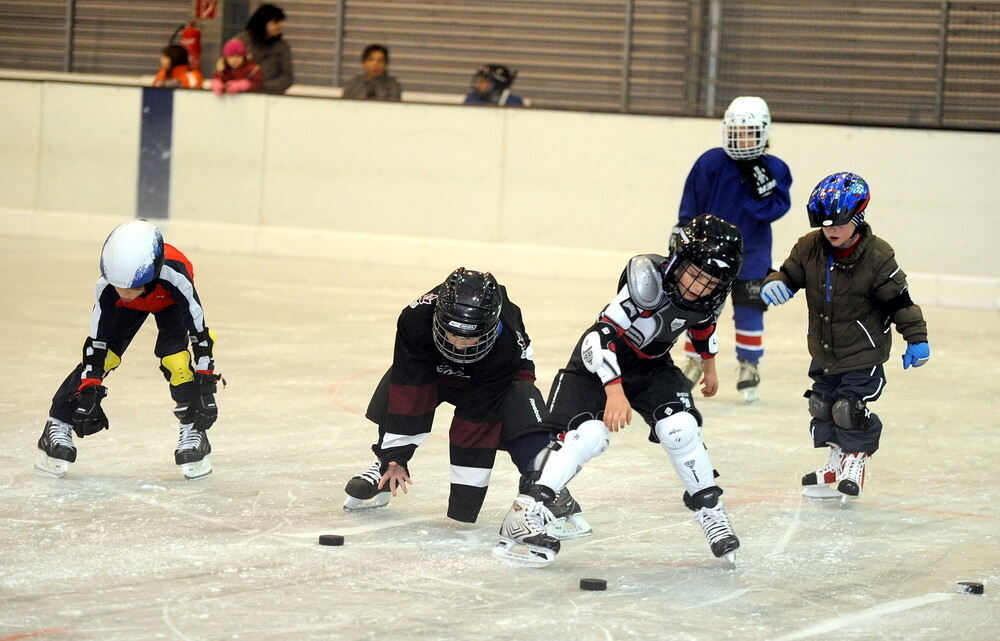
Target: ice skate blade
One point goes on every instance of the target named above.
(729, 560)
(49, 466)
(352, 504)
(750, 395)
(569, 527)
(198, 469)
(846, 500)
(821, 493)
(532, 556)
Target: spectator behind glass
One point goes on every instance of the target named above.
(175, 70)
(491, 86)
(374, 83)
(236, 74)
(267, 49)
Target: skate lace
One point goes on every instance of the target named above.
(59, 434)
(373, 474)
(854, 464)
(190, 438)
(537, 516)
(834, 462)
(748, 372)
(715, 523)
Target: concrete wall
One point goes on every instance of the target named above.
(532, 190)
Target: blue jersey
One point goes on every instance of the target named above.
(717, 186)
(473, 98)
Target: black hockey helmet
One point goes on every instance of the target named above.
(714, 249)
(468, 306)
(499, 76)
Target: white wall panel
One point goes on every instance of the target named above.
(591, 180)
(218, 157)
(20, 127)
(383, 168)
(90, 148)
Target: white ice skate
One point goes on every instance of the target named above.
(523, 535)
(568, 522)
(719, 532)
(816, 485)
(192, 453)
(362, 490)
(852, 476)
(692, 370)
(748, 381)
(58, 450)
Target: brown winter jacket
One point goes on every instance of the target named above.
(852, 302)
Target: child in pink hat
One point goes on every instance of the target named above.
(235, 73)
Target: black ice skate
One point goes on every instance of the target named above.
(719, 531)
(568, 521)
(58, 451)
(748, 381)
(192, 453)
(523, 535)
(693, 370)
(363, 492)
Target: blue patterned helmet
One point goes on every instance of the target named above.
(838, 199)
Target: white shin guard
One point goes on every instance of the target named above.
(681, 439)
(588, 441)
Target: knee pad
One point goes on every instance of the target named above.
(177, 368)
(679, 433)
(850, 413)
(819, 406)
(111, 361)
(590, 439)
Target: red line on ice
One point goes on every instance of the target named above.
(33, 635)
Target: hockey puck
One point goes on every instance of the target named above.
(331, 539)
(970, 587)
(593, 584)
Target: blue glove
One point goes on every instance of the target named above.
(916, 354)
(775, 292)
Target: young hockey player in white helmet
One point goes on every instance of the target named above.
(746, 186)
(623, 361)
(462, 343)
(140, 275)
(854, 290)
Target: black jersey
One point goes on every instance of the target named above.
(419, 368)
(634, 329)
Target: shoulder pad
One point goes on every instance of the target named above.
(645, 284)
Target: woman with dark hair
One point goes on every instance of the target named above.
(263, 38)
(375, 83)
(175, 70)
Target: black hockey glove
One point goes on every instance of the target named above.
(201, 411)
(89, 418)
(757, 175)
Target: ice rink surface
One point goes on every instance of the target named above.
(123, 549)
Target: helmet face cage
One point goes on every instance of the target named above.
(838, 199)
(468, 307)
(132, 255)
(499, 76)
(747, 119)
(708, 254)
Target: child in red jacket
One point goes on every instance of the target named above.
(235, 72)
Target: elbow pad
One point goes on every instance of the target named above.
(597, 352)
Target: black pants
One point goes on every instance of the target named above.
(867, 385)
(172, 338)
(482, 424)
(651, 386)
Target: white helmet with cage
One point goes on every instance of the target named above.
(132, 255)
(745, 128)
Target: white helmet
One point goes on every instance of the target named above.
(132, 254)
(747, 117)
